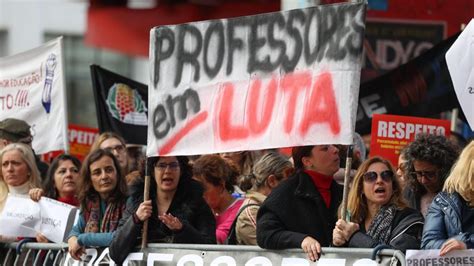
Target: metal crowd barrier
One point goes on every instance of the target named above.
(187, 254)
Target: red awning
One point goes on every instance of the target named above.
(128, 30)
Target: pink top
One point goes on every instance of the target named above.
(224, 220)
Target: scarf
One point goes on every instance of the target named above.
(381, 227)
(110, 218)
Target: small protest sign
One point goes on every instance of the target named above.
(431, 257)
(22, 217)
(390, 133)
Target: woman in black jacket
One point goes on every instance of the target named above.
(301, 211)
(176, 211)
(376, 211)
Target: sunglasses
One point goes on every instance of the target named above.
(371, 177)
(428, 174)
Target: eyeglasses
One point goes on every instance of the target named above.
(371, 177)
(117, 148)
(428, 174)
(173, 166)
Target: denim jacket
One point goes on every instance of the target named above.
(443, 221)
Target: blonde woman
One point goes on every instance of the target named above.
(115, 144)
(450, 218)
(19, 173)
(378, 214)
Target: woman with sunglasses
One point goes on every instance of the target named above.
(176, 211)
(376, 213)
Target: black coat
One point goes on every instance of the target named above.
(188, 205)
(295, 209)
(407, 227)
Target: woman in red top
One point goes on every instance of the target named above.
(62, 183)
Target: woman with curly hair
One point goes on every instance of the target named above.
(429, 160)
(376, 211)
(450, 219)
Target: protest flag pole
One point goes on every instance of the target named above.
(455, 111)
(63, 80)
(347, 176)
(146, 196)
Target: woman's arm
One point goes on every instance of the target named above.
(434, 232)
(127, 234)
(246, 226)
(89, 239)
(271, 232)
(95, 239)
(78, 228)
(202, 231)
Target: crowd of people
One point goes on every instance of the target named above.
(251, 197)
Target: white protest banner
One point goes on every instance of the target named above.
(22, 217)
(32, 89)
(188, 254)
(460, 61)
(272, 80)
(431, 258)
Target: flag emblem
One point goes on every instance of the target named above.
(126, 104)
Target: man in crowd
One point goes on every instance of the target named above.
(18, 131)
(429, 160)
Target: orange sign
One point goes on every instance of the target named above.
(80, 142)
(390, 133)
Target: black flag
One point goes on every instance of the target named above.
(422, 87)
(121, 105)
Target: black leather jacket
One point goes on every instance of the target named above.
(294, 210)
(188, 205)
(407, 226)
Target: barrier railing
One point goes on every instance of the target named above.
(187, 254)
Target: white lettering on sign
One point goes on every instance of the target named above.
(183, 258)
(400, 130)
(224, 260)
(190, 258)
(371, 105)
(82, 137)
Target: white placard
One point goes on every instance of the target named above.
(23, 217)
(431, 257)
